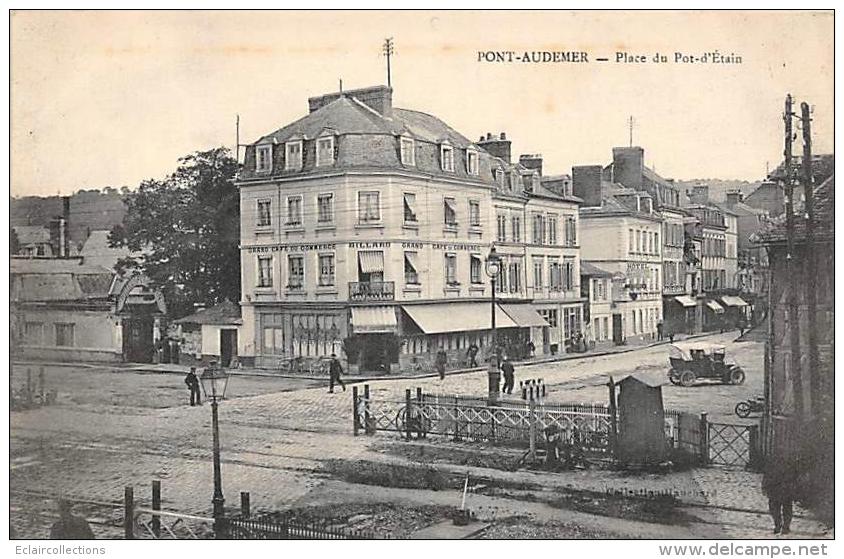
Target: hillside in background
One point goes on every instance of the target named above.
(89, 210)
(718, 188)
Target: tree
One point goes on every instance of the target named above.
(185, 232)
(14, 241)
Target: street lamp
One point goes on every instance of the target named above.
(214, 382)
(493, 269)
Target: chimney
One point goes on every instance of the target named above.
(734, 197)
(699, 194)
(532, 161)
(378, 98)
(59, 231)
(586, 183)
(65, 231)
(628, 166)
(499, 147)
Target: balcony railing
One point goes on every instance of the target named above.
(372, 291)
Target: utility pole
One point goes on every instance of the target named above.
(793, 316)
(811, 265)
(237, 139)
(630, 122)
(388, 49)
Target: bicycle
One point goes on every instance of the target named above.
(292, 365)
(420, 423)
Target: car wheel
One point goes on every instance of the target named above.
(687, 378)
(743, 409)
(673, 376)
(736, 376)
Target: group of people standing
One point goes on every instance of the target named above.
(506, 367)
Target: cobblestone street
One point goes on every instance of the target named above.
(276, 432)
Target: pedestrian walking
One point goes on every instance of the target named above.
(335, 369)
(530, 349)
(779, 483)
(440, 362)
(659, 330)
(471, 354)
(70, 527)
(192, 382)
(509, 376)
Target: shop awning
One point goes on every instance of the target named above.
(733, 301)
(439, 318)
(685, 300)
(374, 320)
(371, 261)
(524, 315)
(715, 306)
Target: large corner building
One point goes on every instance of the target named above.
(365, 230)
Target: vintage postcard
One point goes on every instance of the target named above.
(422, 275)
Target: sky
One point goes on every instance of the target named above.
(113, 98)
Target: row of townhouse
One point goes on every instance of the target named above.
(658, 259)
(366, 229)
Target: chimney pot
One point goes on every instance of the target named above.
(503, 136)
(489, 135)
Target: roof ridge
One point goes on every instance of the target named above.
(365, 106)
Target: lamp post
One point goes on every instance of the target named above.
(493, 269)
(214, 382)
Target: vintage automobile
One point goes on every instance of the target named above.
(701, 361)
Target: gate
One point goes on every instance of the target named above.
(733, 445)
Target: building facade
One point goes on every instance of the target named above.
(752, 260)
(628, 169)
(622, 235)
(800, 410)
(716, 228)
(65, 310)
(598, 289)
(365, 232)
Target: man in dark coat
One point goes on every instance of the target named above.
(440, 362)
(192, 382)
(70, 527)
(335, 369)
(471, 354)
(779, 483)
(659, 330)
(509, 377)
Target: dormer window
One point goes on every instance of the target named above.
(264, 159)
(472, 161)
(324, 151)
(408, 152)
(293, 156)
(447, 158)
(498, 176)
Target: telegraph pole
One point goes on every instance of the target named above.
(388, 49)
(811, 265)
(793, 317)
(630, 127)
